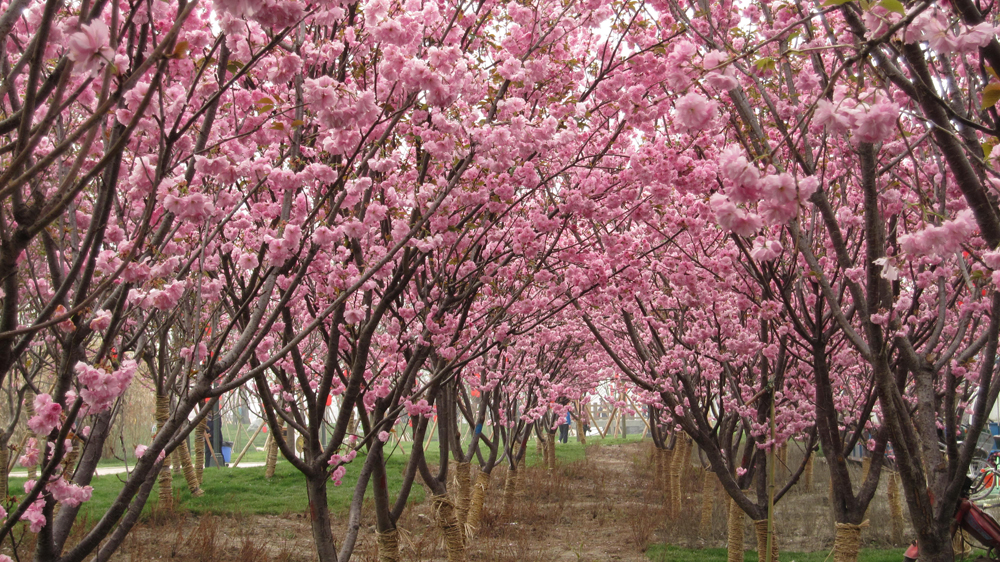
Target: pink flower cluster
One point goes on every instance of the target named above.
(31, 453)
(867, 123)
(722, 78)
(940, 240)
(418, 408)
(103, 388)
(339, 461)
(140, 450)
(161, 299)
(731, 217)
(46, 416)
(196, 207)
(91, 46)
(269, 13)
(695, 112)
(765, 250)
(69, 493)
(33, 515)
(933, 27)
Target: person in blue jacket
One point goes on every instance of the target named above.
(564, 429)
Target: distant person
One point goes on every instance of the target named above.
(564, 429)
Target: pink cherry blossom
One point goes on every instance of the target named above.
(34, 516)
(695, 112)
(90, 47)
(31, 453)
(69, 493)
(101, 320)
(46, 415)
(876, 124)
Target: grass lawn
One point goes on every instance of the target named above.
(247, 491)
(670, 553)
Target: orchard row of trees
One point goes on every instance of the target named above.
(766, 221)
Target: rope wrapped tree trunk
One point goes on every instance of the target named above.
(707, 501)
(199, 449)
(477, 501)
(388, 546)
(807, 475)
(657, 467)
(4, 465)
(29, 412)
(895, 509)
(165, 481)
(508, 491)
(551, 451)
(734, 539)
(69, 461)
(761, 527)
(272, 453)
(676, 469)
(668, 482)
(189, 475)
(463, 475)
(847, 543)
(447, 522)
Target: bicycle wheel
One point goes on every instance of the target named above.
(988, 483)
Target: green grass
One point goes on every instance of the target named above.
(670, 553)
(247, 491)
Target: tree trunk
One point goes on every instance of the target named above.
(4, 463)
(166, 494)
(735, 537)
(847, 543)
(463, 474)
(551, 447)
(29, 412)
(388, 545)
(319, 518)
(895, 509)
(761, 527)
(807, 475)
(668, 483)
(676, 469)
(199, 449)
(478, 499)
(707, 501)
(658, 456)
(189, 474)
(272, 454)
(447, 522)
(386, 533)
(508, 491)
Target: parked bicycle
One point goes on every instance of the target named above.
(974, 522)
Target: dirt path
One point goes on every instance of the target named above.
(597, 509)
(604, 508)
(592, 510)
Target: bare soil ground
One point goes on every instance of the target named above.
(605, 508)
